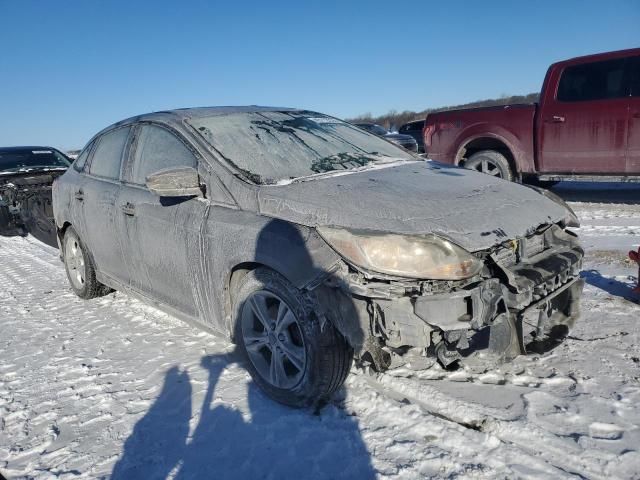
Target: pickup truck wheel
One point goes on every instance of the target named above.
(490, 162)
(295, 358)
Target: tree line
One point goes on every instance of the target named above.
(394, 119)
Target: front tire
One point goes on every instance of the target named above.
(295, 357)
(81, 270)
(490, 162)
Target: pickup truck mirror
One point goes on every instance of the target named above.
(175, 182)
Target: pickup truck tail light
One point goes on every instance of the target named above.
(427, 133)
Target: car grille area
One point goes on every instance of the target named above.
(538, 265)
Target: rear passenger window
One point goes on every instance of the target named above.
(593, 81)
(81, 161)
(158, 149)
(107, 155)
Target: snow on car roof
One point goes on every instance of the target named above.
(200, 112)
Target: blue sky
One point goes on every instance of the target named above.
(70, 68)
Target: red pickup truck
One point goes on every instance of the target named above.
(585, 127)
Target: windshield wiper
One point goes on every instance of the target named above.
(328, 164)
(387, 162)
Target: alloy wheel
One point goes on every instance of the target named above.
(273, 339)
(488, 167)
(74, 260)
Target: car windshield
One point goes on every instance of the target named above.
(14, 160)
(272, 146)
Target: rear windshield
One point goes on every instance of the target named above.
(272, 146)
(16, 160)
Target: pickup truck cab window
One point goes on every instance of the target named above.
(156, 149)
(593, 81)
(107, 156)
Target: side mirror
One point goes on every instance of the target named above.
(175, 182)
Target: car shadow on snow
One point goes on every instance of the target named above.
(46, 236)
(275, 442)
(268, 441)
(610, 285)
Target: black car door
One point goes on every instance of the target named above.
(158, 229)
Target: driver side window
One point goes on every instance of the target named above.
(157, 149)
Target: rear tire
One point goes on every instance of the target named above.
(490, 162)
(81, 270)
(295, 357)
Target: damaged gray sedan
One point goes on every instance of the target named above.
(308, 241)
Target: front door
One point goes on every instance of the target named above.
(157, 229)
(584, 127)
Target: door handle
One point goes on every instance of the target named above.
(557, 119)
(79, 195)
(128, 209)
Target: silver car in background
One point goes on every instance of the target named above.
(306, 241)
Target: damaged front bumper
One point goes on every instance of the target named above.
(528, 292)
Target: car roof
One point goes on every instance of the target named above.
(600, 56)
(413, 122)
(177, 115)
(201, 112)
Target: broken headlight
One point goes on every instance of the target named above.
(413, 256)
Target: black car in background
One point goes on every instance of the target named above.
(405, 141)
(26, 176)
(415, 130)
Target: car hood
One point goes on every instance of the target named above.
(474, 210)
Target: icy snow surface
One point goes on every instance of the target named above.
(114, 388)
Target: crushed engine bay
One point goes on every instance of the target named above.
(526, 296)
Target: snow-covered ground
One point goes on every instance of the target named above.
(112, 387)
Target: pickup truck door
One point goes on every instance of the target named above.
(633, 150)
(583, 127)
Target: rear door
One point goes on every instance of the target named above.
(73, 190)
(97, 196)
(633, 155)
(584, 126)
(157, 229)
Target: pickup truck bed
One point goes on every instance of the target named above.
(456, 135)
